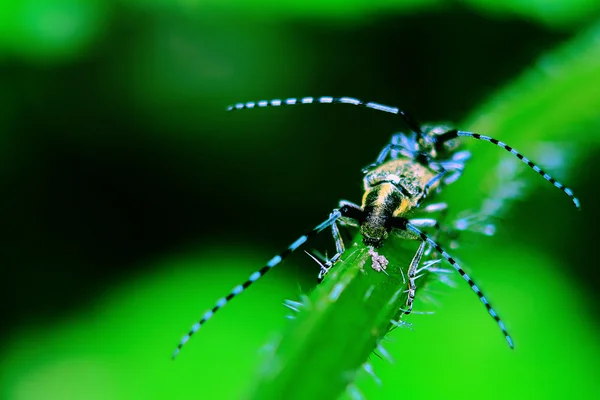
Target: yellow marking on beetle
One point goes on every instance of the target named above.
(392, 189)
(405, 206)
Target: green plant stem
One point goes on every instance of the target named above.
(339, 326)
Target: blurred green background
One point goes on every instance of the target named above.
(131, 201)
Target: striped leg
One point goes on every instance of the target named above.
(401, 144)
(413, 268)
(435, 207)
(255, 276)
(404, 224)
(449, 172)
(387, 151)
(339, 248)
(455, 166)
(412, 273)
(429, 185)
(416, 274)
(404, 145)
(452, 177)
(426, 223)
(473, 223)
(521, 157)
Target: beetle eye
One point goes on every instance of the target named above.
(451, 145)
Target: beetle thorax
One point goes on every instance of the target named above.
(380, 203)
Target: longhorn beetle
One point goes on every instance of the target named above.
(406, 170)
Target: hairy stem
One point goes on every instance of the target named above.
(338, 326)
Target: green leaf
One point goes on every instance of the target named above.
(555, 13)
(50, 30)
(339, 325)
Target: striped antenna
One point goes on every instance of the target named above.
(521, 157)
(254, 277)
(452, 134)
(402, 223)
(411, 123)
(328, 100)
